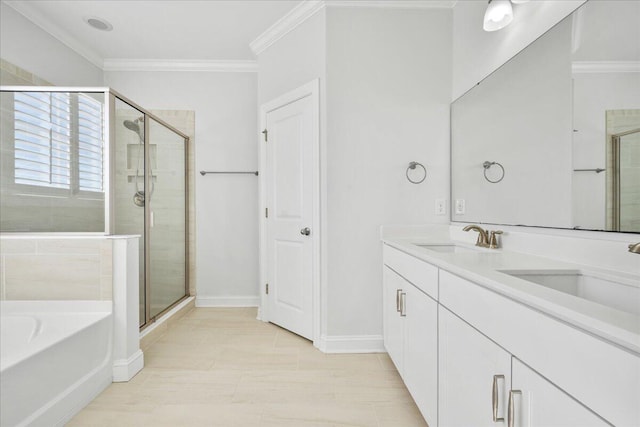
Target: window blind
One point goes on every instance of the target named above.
(43, 139)
(59, 137)
(90, 144)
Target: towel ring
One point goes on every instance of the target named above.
(412, 166)
(487, 165)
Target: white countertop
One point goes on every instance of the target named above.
(480, 267)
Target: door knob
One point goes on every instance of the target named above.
(305, 231)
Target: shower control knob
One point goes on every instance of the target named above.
(305, 231)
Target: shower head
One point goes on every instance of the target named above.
(135, 127)
(132, 125)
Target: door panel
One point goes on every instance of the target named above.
(290, 202)
(468, 363)
(542, 404)
(289, 270)
(167, 228)
(393, 326)
(421, 351)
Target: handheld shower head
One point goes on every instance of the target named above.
(131, 125)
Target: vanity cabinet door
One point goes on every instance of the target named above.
(472, 368)
(393, 325)
(421, 351)
(539, 403)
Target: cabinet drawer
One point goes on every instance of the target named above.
(422, 275)
(603, 377)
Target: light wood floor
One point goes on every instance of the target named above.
(222, 367)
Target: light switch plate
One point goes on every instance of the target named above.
(460, 208)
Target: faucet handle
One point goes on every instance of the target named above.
(493, 240)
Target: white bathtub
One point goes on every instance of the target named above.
(55, 357)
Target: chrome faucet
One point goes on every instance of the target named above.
(486, 239)
(634, 248)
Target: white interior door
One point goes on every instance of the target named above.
(290, 197)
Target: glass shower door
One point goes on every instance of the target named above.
(629, 181)
(129, 182)
(166, 272)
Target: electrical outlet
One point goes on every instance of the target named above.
(441, 206)
(460, 207)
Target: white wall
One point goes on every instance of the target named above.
(384, 103)
(29, 47)
(294, 60)
(388, 80)
(477, 53)
(226, 205)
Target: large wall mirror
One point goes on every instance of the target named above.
(552, 138)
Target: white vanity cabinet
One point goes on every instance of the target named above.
(411, 329)
(463, 349)
(475, 375)
(479, 380)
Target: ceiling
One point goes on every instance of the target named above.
(158, 29)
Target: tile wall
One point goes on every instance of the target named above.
(56, 268)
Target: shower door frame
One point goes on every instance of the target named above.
(616, 140)
(113, 95)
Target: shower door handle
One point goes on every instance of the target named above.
(305, 231)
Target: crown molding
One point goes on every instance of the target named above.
(394, 4)
(27, 10)
(307, 8)
(296, 16)
(221, 66)
(594, 67)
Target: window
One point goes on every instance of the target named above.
(58, 141)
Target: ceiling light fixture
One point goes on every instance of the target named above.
(98, 23)
(498, 15)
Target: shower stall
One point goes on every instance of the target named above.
(89, 160)
(626, 180)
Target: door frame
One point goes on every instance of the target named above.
(312, 90)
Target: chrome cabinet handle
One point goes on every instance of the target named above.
(403, 304)
(494, 398)
(305, 231)
(398, 292)
(511, 412)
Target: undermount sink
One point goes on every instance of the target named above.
(447, 248)
(622, 294)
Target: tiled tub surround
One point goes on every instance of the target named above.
(79, 268)
(44, 267)
(590, 343)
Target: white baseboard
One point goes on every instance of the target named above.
(125, 369)
(352, 344)
(243, 301)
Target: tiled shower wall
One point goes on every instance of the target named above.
(56, 268)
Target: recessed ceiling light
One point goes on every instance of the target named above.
(98, 23)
